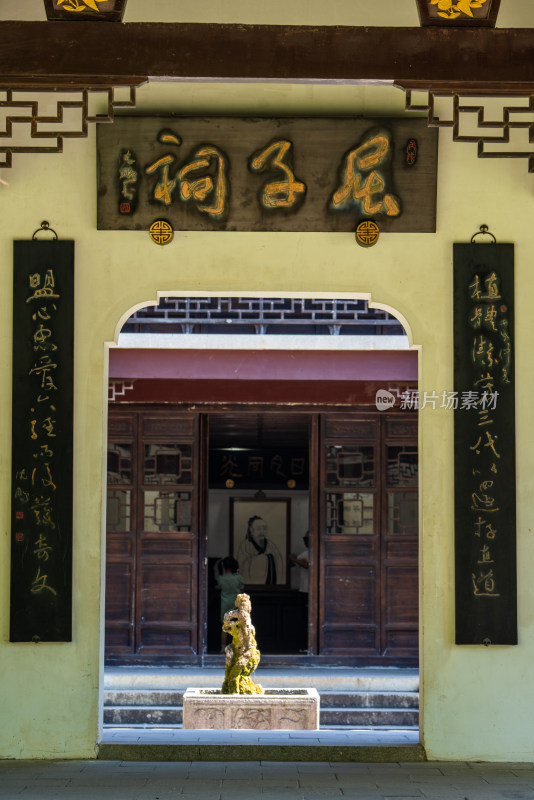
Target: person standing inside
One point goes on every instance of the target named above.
(303, 561)
(231, 584)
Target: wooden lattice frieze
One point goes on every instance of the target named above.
(26, 127)
(501, 126)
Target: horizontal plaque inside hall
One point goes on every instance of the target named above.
(267, 174)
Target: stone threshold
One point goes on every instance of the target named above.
(262, 752)
(359, 745)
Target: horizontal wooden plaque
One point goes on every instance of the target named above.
(267, 468)
(267, 174)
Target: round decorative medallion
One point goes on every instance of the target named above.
(367, 233)
(229, 483)
(161, 231)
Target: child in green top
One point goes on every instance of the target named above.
(231, 584)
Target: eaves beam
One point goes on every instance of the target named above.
(69, 54)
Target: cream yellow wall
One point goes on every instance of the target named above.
(476, 702)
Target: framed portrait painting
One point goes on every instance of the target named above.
(260, 539)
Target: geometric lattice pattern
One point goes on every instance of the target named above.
(168, 463)
(119, 462)
(475, 118)
(402, 465)
(350, 513)
(350, 465)
(28, 125)
(167, 511)
(119, 388)
(119, 510)
(402, 512)
(260, 315)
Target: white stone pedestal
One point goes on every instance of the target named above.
(277, 709)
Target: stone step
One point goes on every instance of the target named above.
(143, 715)
(329, 717)
(369, 717)
(387, 698)
(347, 709)
(402, 700)
(329, 699)
(145, 697)
(338, 678)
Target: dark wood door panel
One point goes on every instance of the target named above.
(119, 639)
(119, 607)
(403, 549)
(119, 584)
(401, 644)
(168, 424)
(359, 642)
(401, 592)
(170, 547)
(167, 544)
(349, 536)
(352, 596)
(153, 532)
(339, 427)
(368, 489)
(400, 542)
(158, 640)
(120, 537)
(121, 426)
(120, 547)
(166, 594)
(363, 549)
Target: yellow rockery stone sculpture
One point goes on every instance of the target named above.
(242, 655)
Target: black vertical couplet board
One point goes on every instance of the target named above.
(41, 501)
(484, 444)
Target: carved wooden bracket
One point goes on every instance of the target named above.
(501, 124)
(22, 106)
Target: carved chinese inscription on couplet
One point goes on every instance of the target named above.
(282, 174)
(484, 444)
(41, 545)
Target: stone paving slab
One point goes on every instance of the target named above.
(119, 780)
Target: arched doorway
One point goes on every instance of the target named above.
(191, 459)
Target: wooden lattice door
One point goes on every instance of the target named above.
(152, 535)
(368, 551)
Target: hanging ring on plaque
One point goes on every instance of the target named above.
(483, 232)
(45, 226)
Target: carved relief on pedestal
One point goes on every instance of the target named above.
(255, 718)
(208, 718)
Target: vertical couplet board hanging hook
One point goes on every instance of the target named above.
(484, 231)
(45, 226)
